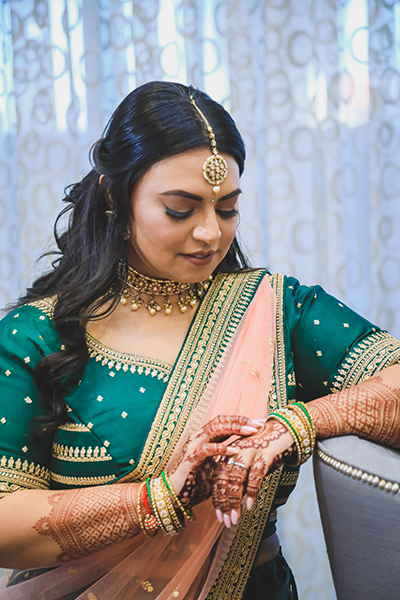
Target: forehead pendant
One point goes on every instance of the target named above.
(215, 168)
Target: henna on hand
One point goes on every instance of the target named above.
(199, 453)
(271, 431)
(85, 520)
(370, 410)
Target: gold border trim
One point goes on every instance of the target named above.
(80, 454)
(76, 427)
(278, 392)
(82, 481)
(135, 363)
(17, 474)
(46, 305)
(374, 353)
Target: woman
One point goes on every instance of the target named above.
(118, 422)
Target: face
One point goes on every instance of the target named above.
(180, 229)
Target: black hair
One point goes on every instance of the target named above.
(155, 121)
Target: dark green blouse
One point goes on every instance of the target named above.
(322, 347)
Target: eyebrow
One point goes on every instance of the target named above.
(184, 194)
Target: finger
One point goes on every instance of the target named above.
(209, 449)
(223, 426)
(256, 475)
(237, 478)
(220, 496)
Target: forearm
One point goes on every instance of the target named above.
(370, 410)
(41, 528)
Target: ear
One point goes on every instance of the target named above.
(109, 199)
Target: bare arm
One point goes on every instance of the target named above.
(370, 410)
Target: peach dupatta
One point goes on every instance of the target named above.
(185, 566)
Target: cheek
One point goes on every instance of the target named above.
(154, 231)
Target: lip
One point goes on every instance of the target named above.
(199, 258)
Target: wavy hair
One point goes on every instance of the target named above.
(155, 121)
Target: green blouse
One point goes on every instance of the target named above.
(321, 346)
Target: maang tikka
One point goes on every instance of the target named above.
(215, 168)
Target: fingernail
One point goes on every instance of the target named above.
(248, 429)
(259, 421)
(249, 503)
(231, 450)
(219, 515)
(227, 521)
(234, 517)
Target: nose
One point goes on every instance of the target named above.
(207, 230)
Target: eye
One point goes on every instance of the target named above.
(228, 214)
(178, 216)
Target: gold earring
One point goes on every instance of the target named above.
(127, 234)
(215, 168)
(111, 215)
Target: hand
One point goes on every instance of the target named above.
(262, 453)
(191, 473)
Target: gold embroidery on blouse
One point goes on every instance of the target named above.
(46, 305)
(80, 454)
(374, 353)
(16, 474)
(82, 481)
(214, 325)
(78, 427)
(114, 359)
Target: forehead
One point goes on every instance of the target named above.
(186, 170)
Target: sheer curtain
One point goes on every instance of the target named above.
(314, 86)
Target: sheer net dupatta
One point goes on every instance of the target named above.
(186, 565)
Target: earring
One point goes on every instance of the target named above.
(111, 215)
(127, 234)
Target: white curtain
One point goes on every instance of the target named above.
(314, 86)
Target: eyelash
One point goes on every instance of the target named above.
(181, 216)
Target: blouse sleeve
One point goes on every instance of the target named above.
(24, 337)
(333, 347)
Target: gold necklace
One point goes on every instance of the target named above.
(135, 284)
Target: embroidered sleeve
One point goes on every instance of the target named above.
(333, 347)
(374, 353)
(24, 461)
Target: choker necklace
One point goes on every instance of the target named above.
(135, 284)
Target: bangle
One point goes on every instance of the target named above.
(164, 512)
(150, 523)
(297, 418)
(171, 490)
(139, 511)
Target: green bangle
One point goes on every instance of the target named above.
(149, 492)
(305, 411)
(185, 511)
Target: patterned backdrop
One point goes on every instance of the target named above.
(314, 86)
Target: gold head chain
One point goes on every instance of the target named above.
(215, 168)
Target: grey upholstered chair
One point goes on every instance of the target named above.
(358, 485)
